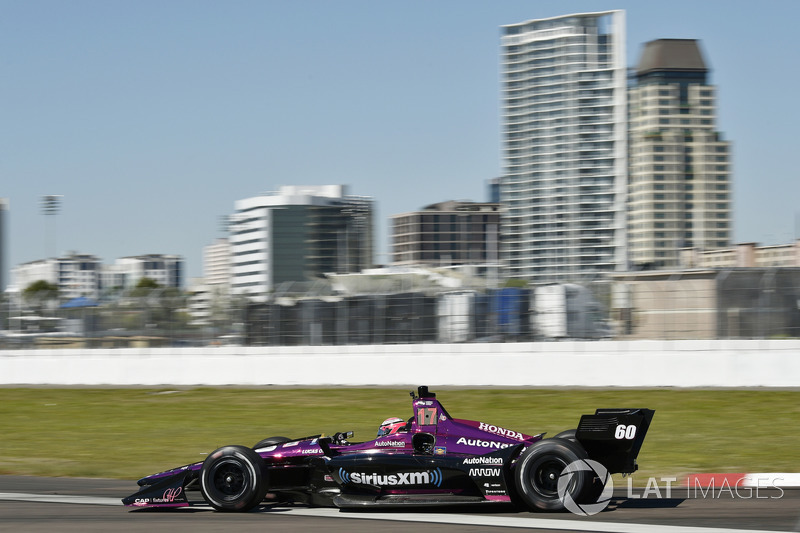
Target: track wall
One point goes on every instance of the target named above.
(736, 363)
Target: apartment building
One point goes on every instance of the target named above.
(680, 175)
(564, 120)
(447, 233)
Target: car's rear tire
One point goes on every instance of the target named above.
(595, 487)
(539, 468)
(270, 441)
(567, 435)
(232, 479)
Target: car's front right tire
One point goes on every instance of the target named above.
(270, 441)
(232, 479)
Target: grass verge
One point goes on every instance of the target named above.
(128, 433)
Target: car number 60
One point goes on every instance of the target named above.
(625, 432)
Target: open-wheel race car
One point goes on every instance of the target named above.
(432, 459)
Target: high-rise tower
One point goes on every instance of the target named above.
(564, 147)
(680, 190)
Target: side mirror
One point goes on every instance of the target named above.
(423, 443)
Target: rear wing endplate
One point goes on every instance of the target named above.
(613, 437)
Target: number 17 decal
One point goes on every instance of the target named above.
(426, 416)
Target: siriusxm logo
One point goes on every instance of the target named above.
(426, 477)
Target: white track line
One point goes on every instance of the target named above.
(58, 498)
(466, 520)
(530, 523)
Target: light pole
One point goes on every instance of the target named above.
(51, 204)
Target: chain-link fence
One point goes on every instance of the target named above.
(146, 318)
(744, 303)
(708, 304)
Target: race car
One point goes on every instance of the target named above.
(432, 459)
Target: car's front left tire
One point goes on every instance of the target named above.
(232, 479)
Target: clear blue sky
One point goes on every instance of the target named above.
(153, 117)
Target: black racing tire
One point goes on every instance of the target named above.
(232, 479)
(567, 435)
(595, 487)
(270, 441)
(538, 469)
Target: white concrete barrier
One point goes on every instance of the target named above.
(735, 363)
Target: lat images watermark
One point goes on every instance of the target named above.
(723, 486)
(597, 472)
(710, 487)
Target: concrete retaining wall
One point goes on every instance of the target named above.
(756, 363)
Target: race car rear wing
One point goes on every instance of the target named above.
(613, 437)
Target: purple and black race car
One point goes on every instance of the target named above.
(435, 460)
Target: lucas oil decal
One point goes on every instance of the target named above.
(425, 477)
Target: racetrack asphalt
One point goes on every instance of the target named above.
(79, 505)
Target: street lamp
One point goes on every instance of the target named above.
(51, 204)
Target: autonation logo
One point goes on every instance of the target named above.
(597, 470)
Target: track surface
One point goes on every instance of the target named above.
(88, 505)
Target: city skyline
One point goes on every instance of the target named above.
(153, 120)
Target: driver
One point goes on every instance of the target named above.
(390, 426)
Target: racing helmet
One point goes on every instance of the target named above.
(390, 426)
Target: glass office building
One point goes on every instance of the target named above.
(299, 233)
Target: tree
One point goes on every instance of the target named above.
(38, 293)
(145, 287)
(40, 290)
(517, 283)
(148, 283)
